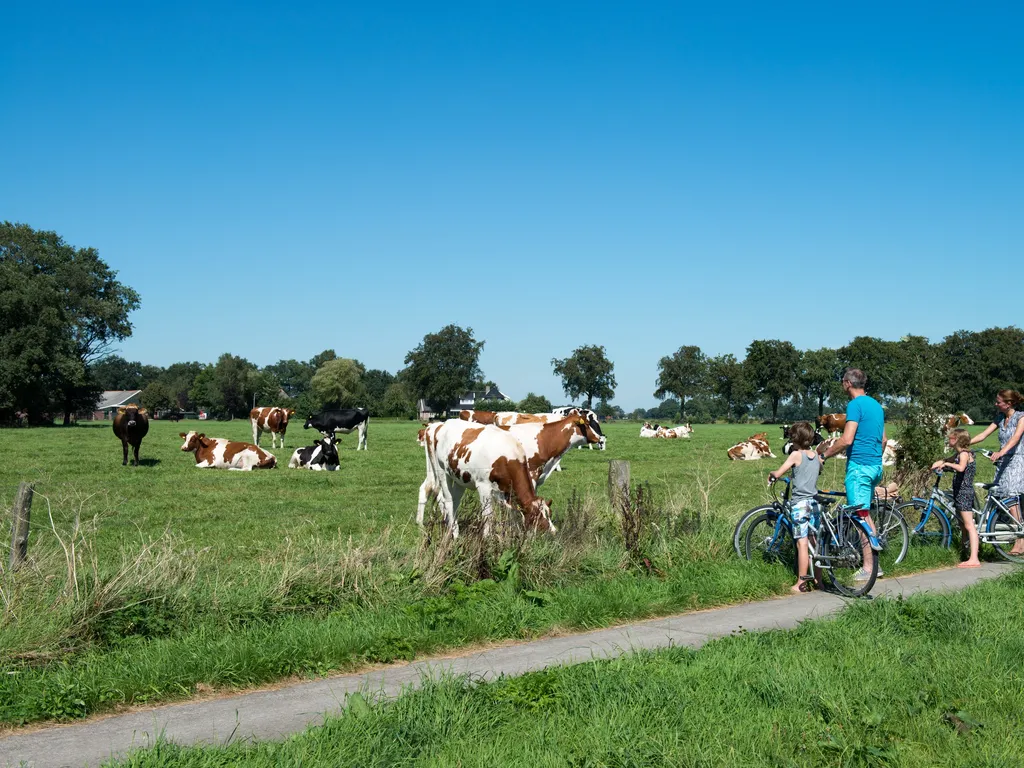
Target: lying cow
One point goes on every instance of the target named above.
(270, 419)
(344, 420)
(131, 425)
(218, 453)
(649, 430)
(460, 455)
(753, 448)
(322, 455)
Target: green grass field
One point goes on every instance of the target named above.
(928, 681)
(150, 583)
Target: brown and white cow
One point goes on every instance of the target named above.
(956, 420)
(649, 430)
(270, 419)
(479, 417)
(832, 423)
(218, 453)
(827, 443)
(753, 448)
(131, 424)
(462, 454)
(544, 444)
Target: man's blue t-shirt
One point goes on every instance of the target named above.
(867, 443)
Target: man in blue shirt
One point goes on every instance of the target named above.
(863, 439)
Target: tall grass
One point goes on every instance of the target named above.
(928, 681)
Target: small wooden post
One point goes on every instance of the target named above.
(618, 481)
(19, 524)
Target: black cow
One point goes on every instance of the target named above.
(131, 425)
(342, 420)
(322, 455)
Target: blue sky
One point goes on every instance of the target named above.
(276, 180)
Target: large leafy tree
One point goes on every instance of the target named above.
(293, 375)
(587, 372)
(114, 372)
(534, 404)
(772, 367)
(729, 383)
(339, 383)
(820, 375)
(443, 366)
(376, 383)
(178, 379)
(61, 308)
(684, 374)
(976, 364)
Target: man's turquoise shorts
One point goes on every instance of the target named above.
(861, 480)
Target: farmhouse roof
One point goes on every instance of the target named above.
(115, 398)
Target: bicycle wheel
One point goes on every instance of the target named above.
(769, 540)
(842, 556)
(1002, 532)
(928, 526)
(739, 534)
(894, 535)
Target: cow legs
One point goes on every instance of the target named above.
(255, 434)
(361, 445)
(454, 498)
(124, 448)
(136, 447)
(428, 491)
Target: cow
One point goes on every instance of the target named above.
(670, 433)
(544, 444)
(832, 423)
(462, 454)
(344, 420)
(595, 423)
(322, 455)
(509, 418)
(824, 445)
(648, 430)
(218, 453)
(956, 420)
(753, 448)
(270, 419)
(480, 417)
(131, 425)
(889, 452)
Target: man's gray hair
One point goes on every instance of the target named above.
(856, 377)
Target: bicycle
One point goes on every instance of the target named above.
(835, 545)
(893, 531)
(931, 519)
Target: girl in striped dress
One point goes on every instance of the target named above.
(963, 489)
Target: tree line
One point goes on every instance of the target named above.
(62, 309)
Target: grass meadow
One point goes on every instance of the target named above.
(163, 582)
(928, 681)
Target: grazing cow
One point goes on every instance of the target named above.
(956, 420)
(131, 425)
(218, 453)
(595, 423)
(272, 420)
(462, 454)
(322, 455)
(753, 448)
(344, 420)
(832, 423)
(544, 444)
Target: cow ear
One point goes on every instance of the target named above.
(201, 435)
(121, 409)
(181, 434)
(142, 411)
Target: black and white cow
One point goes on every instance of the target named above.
(788, 447)
(591, 417)
(344, 420)
(322, 456)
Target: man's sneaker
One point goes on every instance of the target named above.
(861, 575)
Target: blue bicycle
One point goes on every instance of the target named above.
(835, 544)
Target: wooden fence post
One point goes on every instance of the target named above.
(618, 481)
(19, 524)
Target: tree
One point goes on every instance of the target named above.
(114, 372)
(376, 383)
(338, 383)
(880, 361)
(399, 400)
(772, 366)
(443, 366)
(606, 410)
(293, 375)
(61, 308)
(588, 371)
(730, 385)
(683, 374)
(534, 404)
(178, 379)
(820, 376)
(156, 397)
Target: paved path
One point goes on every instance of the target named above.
(274, 714)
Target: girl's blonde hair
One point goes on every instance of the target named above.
(963, 438)
(1010, 396)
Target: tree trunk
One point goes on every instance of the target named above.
(821, 405)
(775, 410)
(682, 408)
(590, 399)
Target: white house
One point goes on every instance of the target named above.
(466, 401)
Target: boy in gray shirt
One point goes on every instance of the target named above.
(806, 465)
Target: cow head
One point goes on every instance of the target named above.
(583, 426)
(537, 516)
(329, 450)
(309, 422)
(193, 442)
(131, 414)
